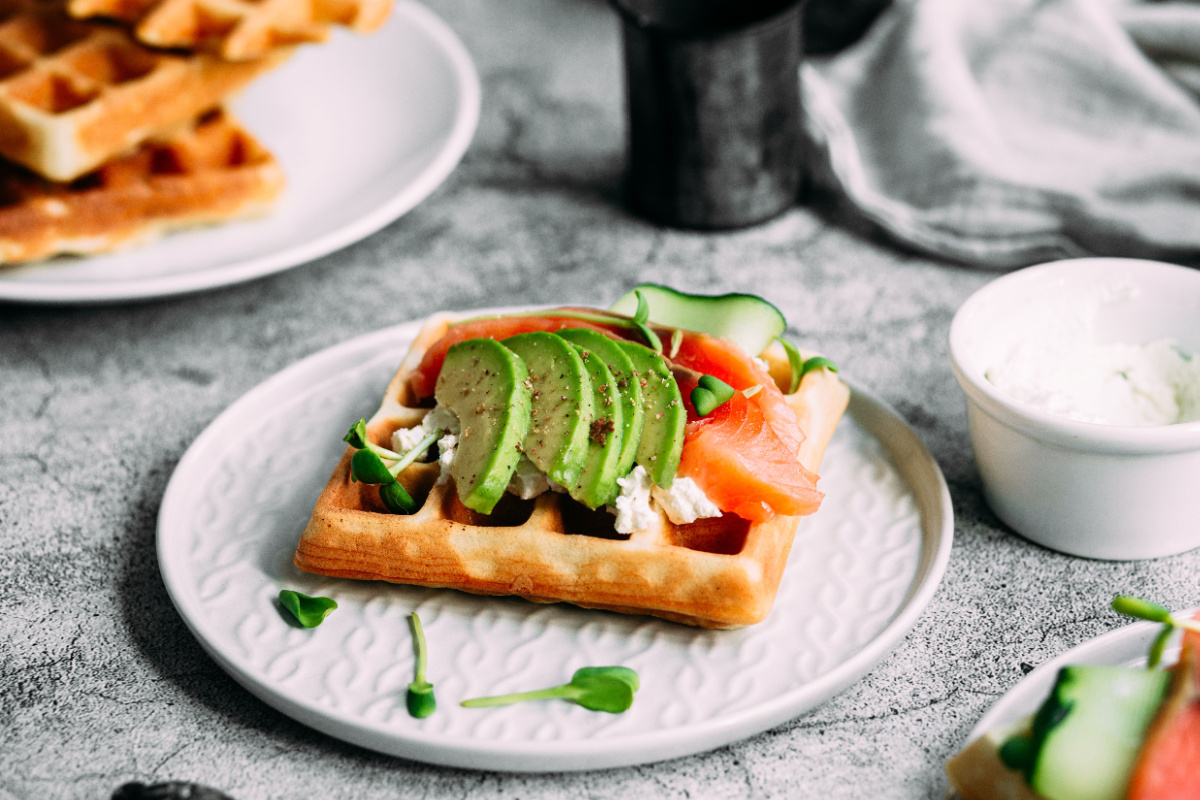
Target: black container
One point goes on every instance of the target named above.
(713, 93)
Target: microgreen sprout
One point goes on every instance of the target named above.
(1152, 612)
(802, 366)
(308, 611)
(676, 341)
(356, 437)
(753, 390)
(369, 465)
(608, 689)
(642, 314)
(420, 699)
(710, 394)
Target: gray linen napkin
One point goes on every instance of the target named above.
(1001, 133)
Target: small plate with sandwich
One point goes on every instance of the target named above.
(667, 486)
(1116, 718)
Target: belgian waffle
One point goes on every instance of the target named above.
(235, 29)
(210, 172)
(715, 573)
(76, 94)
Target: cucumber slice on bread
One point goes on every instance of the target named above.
(748, 321)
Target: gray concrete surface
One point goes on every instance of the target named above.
(100, 681)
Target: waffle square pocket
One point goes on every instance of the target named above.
(208, 172)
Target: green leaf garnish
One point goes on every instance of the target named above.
(1142, 609)
(801, 366)
(704, 401)
(1154, 656)
(308, 611)
(397, 499)
(640, 318)
(816, 362)
(419, 699)
(710, 394)
(368, 467)
(357, 436)
(795, 361)
(1152, 612)
(650, 336)
(720, 389)
(642, 314)
(608, 689)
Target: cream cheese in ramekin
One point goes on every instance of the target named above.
(1058, 366)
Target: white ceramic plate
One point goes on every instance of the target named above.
(1124, 647)
(862, 570)
(365, 126)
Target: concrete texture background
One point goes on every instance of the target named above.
(100, 681)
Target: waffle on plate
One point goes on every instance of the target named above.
(74, 95)
(208, 172)
(235, 29)
(717, 572)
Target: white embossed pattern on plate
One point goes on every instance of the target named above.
(860, 573)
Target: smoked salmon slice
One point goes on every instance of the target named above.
(1168, 767)
(744, 454)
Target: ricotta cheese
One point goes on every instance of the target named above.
(439, 419)
(528, 481)
(1063, 370)
(632, 506)
(684, 502)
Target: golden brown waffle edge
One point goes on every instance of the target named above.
(715, 573)
(210, 172)
(74, 95)
(235, 30)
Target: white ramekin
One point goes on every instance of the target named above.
(1100, 491)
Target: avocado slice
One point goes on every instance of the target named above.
(747, 320)
(557, 441)
(597, 484)
(487, 386)
(1087, 735)
(618, 363)
(665, 415)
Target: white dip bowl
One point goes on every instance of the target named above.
(1083, 488)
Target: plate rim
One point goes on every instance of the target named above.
(937, 529)
(231, 273)
(1116, 647)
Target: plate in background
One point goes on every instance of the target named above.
(1124, 647)
(861, 572)
(366, 126)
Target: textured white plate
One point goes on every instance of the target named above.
(1124, 647)
(365, 126)
(861, 572)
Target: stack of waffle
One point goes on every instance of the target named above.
(109, 138)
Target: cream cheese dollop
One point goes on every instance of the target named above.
(1068, 373)
(439, 419)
